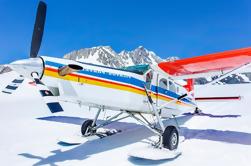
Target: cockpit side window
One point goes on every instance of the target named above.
(172, 87)
(163, 83)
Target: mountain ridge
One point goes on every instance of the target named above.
(105, 55)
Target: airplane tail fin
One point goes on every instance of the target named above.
(190, 85)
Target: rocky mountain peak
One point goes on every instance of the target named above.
(105, 55)
(4, 69)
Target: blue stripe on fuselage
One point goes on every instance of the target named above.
(106, 75)
(170, 93)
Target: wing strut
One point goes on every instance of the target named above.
(150, 100)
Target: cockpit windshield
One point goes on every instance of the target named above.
(138, 69)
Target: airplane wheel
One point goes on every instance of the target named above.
(85, 128)
(170, 138)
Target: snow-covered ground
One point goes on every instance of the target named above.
(30, 133)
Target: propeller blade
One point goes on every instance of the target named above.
(38, 29)
(9, 89)
(50, 100)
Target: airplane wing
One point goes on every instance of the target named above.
(207, 65)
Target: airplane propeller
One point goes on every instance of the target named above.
(33, 67)
(38, 29)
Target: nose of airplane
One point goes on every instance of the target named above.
(26, 67)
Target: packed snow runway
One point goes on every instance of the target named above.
(30, 134)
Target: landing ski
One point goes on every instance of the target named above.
(150, 152)
(153, 153)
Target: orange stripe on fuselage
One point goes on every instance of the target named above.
(140, 91)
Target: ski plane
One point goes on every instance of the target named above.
(133, 92)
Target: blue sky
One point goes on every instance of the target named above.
(181, 28)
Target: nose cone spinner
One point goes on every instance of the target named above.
(26, 67)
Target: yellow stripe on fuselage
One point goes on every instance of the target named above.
(94, 82)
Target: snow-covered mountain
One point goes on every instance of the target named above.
(105, 55)
(4, 69)
(1, 68)
(239, 78)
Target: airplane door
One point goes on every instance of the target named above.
(162, 87)
(149, 77)
(165, 91)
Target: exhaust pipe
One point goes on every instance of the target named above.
(65, 70)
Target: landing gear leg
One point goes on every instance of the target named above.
(165, 148)
(169, 136)
(89, 127)
(197, 111)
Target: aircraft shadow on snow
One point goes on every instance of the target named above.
(132, 133)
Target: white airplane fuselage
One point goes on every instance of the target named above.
(115, 89)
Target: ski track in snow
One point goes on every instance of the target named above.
(30, 134)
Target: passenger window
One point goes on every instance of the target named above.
(172, 87)
(163, 83)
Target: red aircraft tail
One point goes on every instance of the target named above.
(190, 85)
